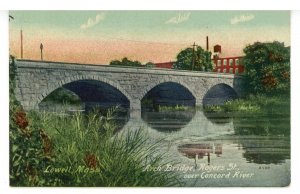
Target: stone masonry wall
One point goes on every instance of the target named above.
(35, 80)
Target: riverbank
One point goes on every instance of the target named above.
(254, 104)
(255, 115)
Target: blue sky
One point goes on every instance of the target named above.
(114, 34)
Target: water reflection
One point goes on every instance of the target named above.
(262, 124)
(258, 150)
(253, 123)
(247, 140)
(266, 150)
(199, 151)
(218, 118)
(168, 121)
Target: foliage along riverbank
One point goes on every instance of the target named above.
(254, 104)
(255, 115)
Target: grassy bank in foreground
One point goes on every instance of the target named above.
(82, 150)
(254, 104)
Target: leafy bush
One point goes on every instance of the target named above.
(267, 68)
(30, 146)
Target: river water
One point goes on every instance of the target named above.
(214, 149)
(220, 149)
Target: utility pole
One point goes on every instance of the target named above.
(193, 59)
(21, 44)
(207, 44)
(207, 55)
(41, 47)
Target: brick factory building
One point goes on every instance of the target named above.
(222, 64)
(167, 65)
(227, 64)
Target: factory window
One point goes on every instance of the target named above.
(231, 62)
(236, 70)
(224, 62)
(214, 66)
(237, 62)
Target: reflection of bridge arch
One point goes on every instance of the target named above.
(76, 78)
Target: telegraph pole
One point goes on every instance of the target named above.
(41, 47)
(193, 59)
(207, 51)
(207, 44)
(21, 44)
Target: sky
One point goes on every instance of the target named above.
(97, 37)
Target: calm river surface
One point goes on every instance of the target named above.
(221, 150)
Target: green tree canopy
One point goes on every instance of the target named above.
(126, 62)
(267, 68)
(202, 60)
(150, 65)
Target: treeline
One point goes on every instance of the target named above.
(267, 65)
(188, 59)
(129, 63)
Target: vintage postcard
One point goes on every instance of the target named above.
(149, 98)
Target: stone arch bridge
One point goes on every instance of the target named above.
(37, 79)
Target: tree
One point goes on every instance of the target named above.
(150, 65)
(267, 68)
(126, 62)
(202, 60)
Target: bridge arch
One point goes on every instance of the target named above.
(219, 94)
(168, 92)
(152, 85)
(75, 78)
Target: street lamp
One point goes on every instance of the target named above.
(41, 47)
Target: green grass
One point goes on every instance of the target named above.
(256, 115)
(89, 142)
(172, 108)
(254, 104)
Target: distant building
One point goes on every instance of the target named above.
(227, 64)
(222, 64)
(167, 65)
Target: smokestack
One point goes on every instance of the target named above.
(21, 44)
(207, 46)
